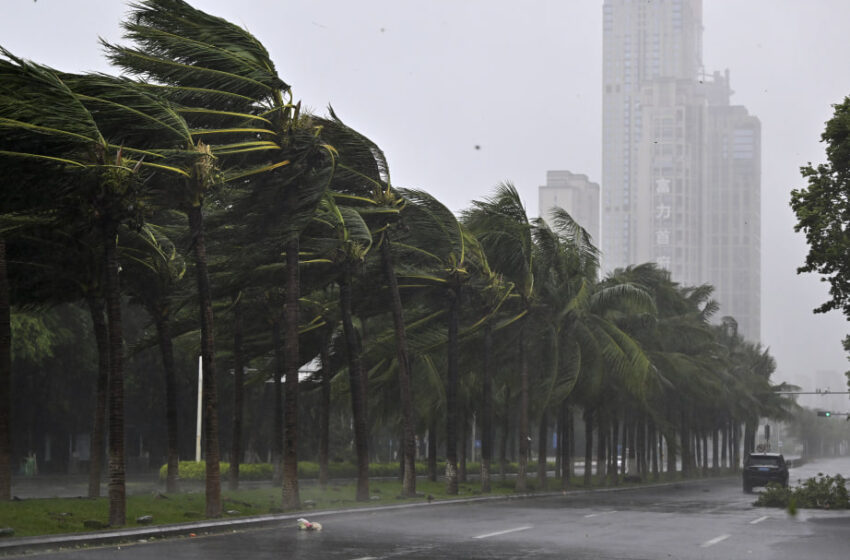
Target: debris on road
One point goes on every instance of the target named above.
(304, 525)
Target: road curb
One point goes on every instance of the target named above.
(27, 545)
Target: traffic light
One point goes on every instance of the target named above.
(824, 413)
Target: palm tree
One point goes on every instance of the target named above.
(154, 269)
(5, 380)
(447, 258)
(505, 232)
(340, 237)
(229, 90)
(99, 179)
(363, 173)
(577, 341)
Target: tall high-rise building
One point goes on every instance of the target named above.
(576, 194)
(680, 165)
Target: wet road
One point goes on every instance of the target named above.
(694, 520)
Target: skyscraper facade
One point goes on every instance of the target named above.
(680, 165)
(576, 194)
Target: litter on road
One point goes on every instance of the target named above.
(304, 525)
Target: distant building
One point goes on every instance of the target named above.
(732, 209)
(681, 169)
(575, 194)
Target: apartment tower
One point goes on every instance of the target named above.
(680, 165)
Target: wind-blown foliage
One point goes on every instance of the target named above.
(423, 321)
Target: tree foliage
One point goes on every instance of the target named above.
(823, 212)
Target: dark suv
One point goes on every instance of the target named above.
(763, 468)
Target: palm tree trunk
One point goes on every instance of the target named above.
(325, 410)
(561, 428)
(559, 441)
(685, 437)
(736, 446)
(117, 490)
(213, 474)
(503, 442)
(749, 436)
(277, 419)
(355, 379)
(614, 469)
(166, 348)
(487, 411)
(432, 449)
(631, 445)
(521, 482)
(292, 356)
(5, 380)
(715, 450)
(670, 437)
(642, 447)
(542, 440)
(238, 395)
(600, 447)
(451, 393)
(464, 445)
(588, 446)
(96, 453)
(568, 446)
(408, 442)
(653, 443)
(697, 449)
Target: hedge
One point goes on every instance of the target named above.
(190, 470)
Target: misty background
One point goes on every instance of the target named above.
(463, 94)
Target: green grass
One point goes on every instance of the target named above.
(67, 515)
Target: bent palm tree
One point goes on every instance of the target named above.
(341, 238)
(93, 175)
(505, 232)
(229, 92)
(362, 176)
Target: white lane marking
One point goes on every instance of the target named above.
(601, 513)
(367, 558)
(505, 532)
(759, 520)
(714, 541)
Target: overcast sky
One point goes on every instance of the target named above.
(430, 80)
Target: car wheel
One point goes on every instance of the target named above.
(748, 489)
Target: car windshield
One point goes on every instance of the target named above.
(772, 461)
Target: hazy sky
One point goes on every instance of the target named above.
(430, 80)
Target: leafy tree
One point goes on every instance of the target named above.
(823, 211)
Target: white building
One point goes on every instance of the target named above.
(681, 170)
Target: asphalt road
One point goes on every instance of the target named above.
(693, 520)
